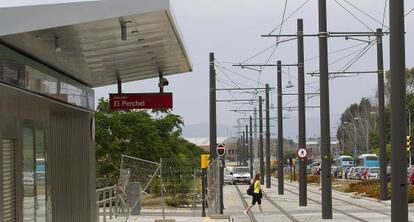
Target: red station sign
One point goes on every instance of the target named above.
(126, 101)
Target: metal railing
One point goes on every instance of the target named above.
(109, 204)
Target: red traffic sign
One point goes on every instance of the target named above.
(127, 101)
(302, 153)
(221, 150)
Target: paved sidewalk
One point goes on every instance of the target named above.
(285, 207)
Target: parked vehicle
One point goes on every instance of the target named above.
(410, 175)
(373, 173)
(241, 175)
(228, 177)
(311, 166)
(343, 172)
(334, 171)
(344, 161)
(357, 173)
(350, 173)
(316, 169)
(388, 174)
(367, 160)
(364, 173)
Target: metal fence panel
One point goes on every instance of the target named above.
(213, 184)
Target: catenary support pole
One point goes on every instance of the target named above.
(262, 170)
(160, 82)
(381, 119)
(302, 119)
(280, 160)
(213, 123)
(244, 148)
(213, 111)
(399, 206)
(256, 142)
(247, 144)
(324, 114)
(268, 174)
(251, 147)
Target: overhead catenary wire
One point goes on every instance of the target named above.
(356, 58)
(236, 73)
(336, 51)
(353, 15)
(384, 13)
(365, 13)
(288, 17)
(409, 12)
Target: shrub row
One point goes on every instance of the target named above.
(372, 189)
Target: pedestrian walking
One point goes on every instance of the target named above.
(257, 194)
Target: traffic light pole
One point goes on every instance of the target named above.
(381, 119)
(280, 160)
(251, 148)
(302, 120)
(268, 174)
(262, 171)
(324, 111)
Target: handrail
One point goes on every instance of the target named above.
(109, 203)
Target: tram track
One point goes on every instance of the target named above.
(245, 204)
(348, 202)
(336, 209)
(287, 214)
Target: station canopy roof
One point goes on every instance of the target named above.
(83, 38)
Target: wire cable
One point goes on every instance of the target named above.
(409, 12)
(346, 67)
(335, 51)
(356, 17)
(365, 13)
(235, 73)
(384, 14)
(292, 14)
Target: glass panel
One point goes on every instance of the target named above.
(28, 173)
(23, 72)
(40, 176)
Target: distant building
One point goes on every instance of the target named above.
(314, 146)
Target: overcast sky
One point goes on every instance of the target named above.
(232, 28)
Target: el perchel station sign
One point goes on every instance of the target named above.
(126, 101)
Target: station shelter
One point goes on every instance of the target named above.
(52, 55)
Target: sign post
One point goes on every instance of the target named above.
(302, 153)
(221, 152)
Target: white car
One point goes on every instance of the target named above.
(241, 175)
(373, 173)
(228, 177)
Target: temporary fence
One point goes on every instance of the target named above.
(171, 187)
(181, 186)
(213, 184)
(136, 175)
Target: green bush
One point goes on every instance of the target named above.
(179, 200)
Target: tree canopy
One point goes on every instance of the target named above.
(142, 134)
